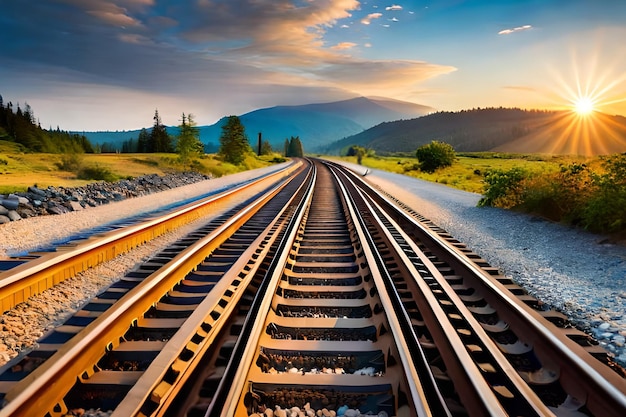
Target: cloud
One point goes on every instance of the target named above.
(394, 7)
(368, 19)
(517, 29)
(343, 45)
(519, 88)
(220, 56)
(380, 77)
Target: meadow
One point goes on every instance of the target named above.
(580, 191)
(468, 171)
(19, 170)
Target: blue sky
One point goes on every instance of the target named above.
(108, 64)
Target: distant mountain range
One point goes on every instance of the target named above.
(497, 129)
(389, 126)
(317, 125)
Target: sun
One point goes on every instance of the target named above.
(584, 106)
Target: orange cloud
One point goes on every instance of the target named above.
(343, 45)
(368, 19)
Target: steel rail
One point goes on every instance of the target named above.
(226, 399)
(156, 386)
(35, 276)
(474, 389)
(399, 322)
(584, 378)
(43, 390)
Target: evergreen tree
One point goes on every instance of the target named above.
(143, 141)
(295, 148)
(234, 143)
(266, 148)
(286, 147)
(188, 143)
(160, 140)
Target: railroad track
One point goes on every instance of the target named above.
(323, 295)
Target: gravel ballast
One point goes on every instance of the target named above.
(21, 326)
(573, 271)
(578, 273)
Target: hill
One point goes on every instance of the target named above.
(497, 129)
(317, 125)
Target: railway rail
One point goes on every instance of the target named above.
(322, 296)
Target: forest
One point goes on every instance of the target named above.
(19, 125)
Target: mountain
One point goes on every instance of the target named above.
(317, 125)
(497, 129)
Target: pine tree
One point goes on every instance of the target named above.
(266, 148)
(160, 140)
(234, 145)
(188, 143)
(143, 141)
(286, 148)
(295, 147)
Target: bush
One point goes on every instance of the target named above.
(71, 162)
(97, 173)
(503, 188)
(4, 161)
(605, 209)
(574, 195)
(435, 155)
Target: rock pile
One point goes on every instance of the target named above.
(57, 200)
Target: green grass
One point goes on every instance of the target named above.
(467, 173)
(19, 170)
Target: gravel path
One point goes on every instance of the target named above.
(574, 271)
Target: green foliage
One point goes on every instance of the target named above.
(71, 162)
(357, 151)
(435, 155)
(148, 162)
(188, 143)
(160, 140)
(266, 148)
(4, 161)
(605, 210)
(19, 125)
(575, 194)
(294, 149)
(143, 141)
(98, 173)
(502, 188)
(234, 144)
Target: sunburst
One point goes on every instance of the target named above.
(584, 106)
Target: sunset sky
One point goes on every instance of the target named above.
(108, 64)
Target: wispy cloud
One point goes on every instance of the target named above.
(255, 52)
(394, 7)
(368, 19)
(519, 88)
(343, 46)
(513, 30)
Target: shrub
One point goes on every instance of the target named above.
(605, 209)
(503, 188)
(435, 155)
(4, 161)
(97, 173)
(71, 162)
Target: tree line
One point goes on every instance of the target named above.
(20, 126)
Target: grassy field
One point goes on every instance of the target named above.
(467, 172)
(20, 170)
